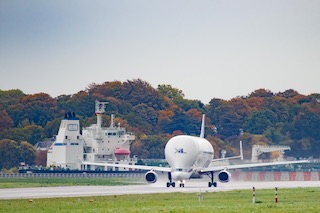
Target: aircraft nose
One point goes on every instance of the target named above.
(180, 175)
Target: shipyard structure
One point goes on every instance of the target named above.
(96, 144)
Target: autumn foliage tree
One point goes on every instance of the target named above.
(13, 153)
(5, 120)
(261, 117)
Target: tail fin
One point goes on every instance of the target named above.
(202, 127)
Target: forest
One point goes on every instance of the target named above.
(157, 114)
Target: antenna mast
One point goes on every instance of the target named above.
(100, 108)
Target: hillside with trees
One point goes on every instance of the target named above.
(157, 114)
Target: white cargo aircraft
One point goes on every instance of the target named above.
(187, 155)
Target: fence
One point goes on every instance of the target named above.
(236, 175)
(72, 175)
(275, 176)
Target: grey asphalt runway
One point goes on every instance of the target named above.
(192, 186)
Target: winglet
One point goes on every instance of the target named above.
(202, 127)
(241, 152)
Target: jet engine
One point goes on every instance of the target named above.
(151, 177)
(224, 176)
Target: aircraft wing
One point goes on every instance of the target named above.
(243, 166)
(142, 167)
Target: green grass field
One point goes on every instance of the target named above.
(45, 182)
(289, 200)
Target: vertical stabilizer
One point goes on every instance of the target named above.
(202, 127)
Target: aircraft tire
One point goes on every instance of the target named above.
(214, 184)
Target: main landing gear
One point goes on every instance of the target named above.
(170, 183)
(212, 183)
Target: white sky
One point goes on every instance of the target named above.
(207, 49)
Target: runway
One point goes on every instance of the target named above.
(192, 186)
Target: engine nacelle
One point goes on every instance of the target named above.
(224, 176)
(151, 177)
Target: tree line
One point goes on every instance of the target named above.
(157, 114)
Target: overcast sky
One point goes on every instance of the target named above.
(207, 49)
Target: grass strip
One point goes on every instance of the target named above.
(49, 182)
(289, 200)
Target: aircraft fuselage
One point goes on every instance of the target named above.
(185, 153)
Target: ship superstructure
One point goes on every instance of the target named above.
(67, 148)
(96, 144)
